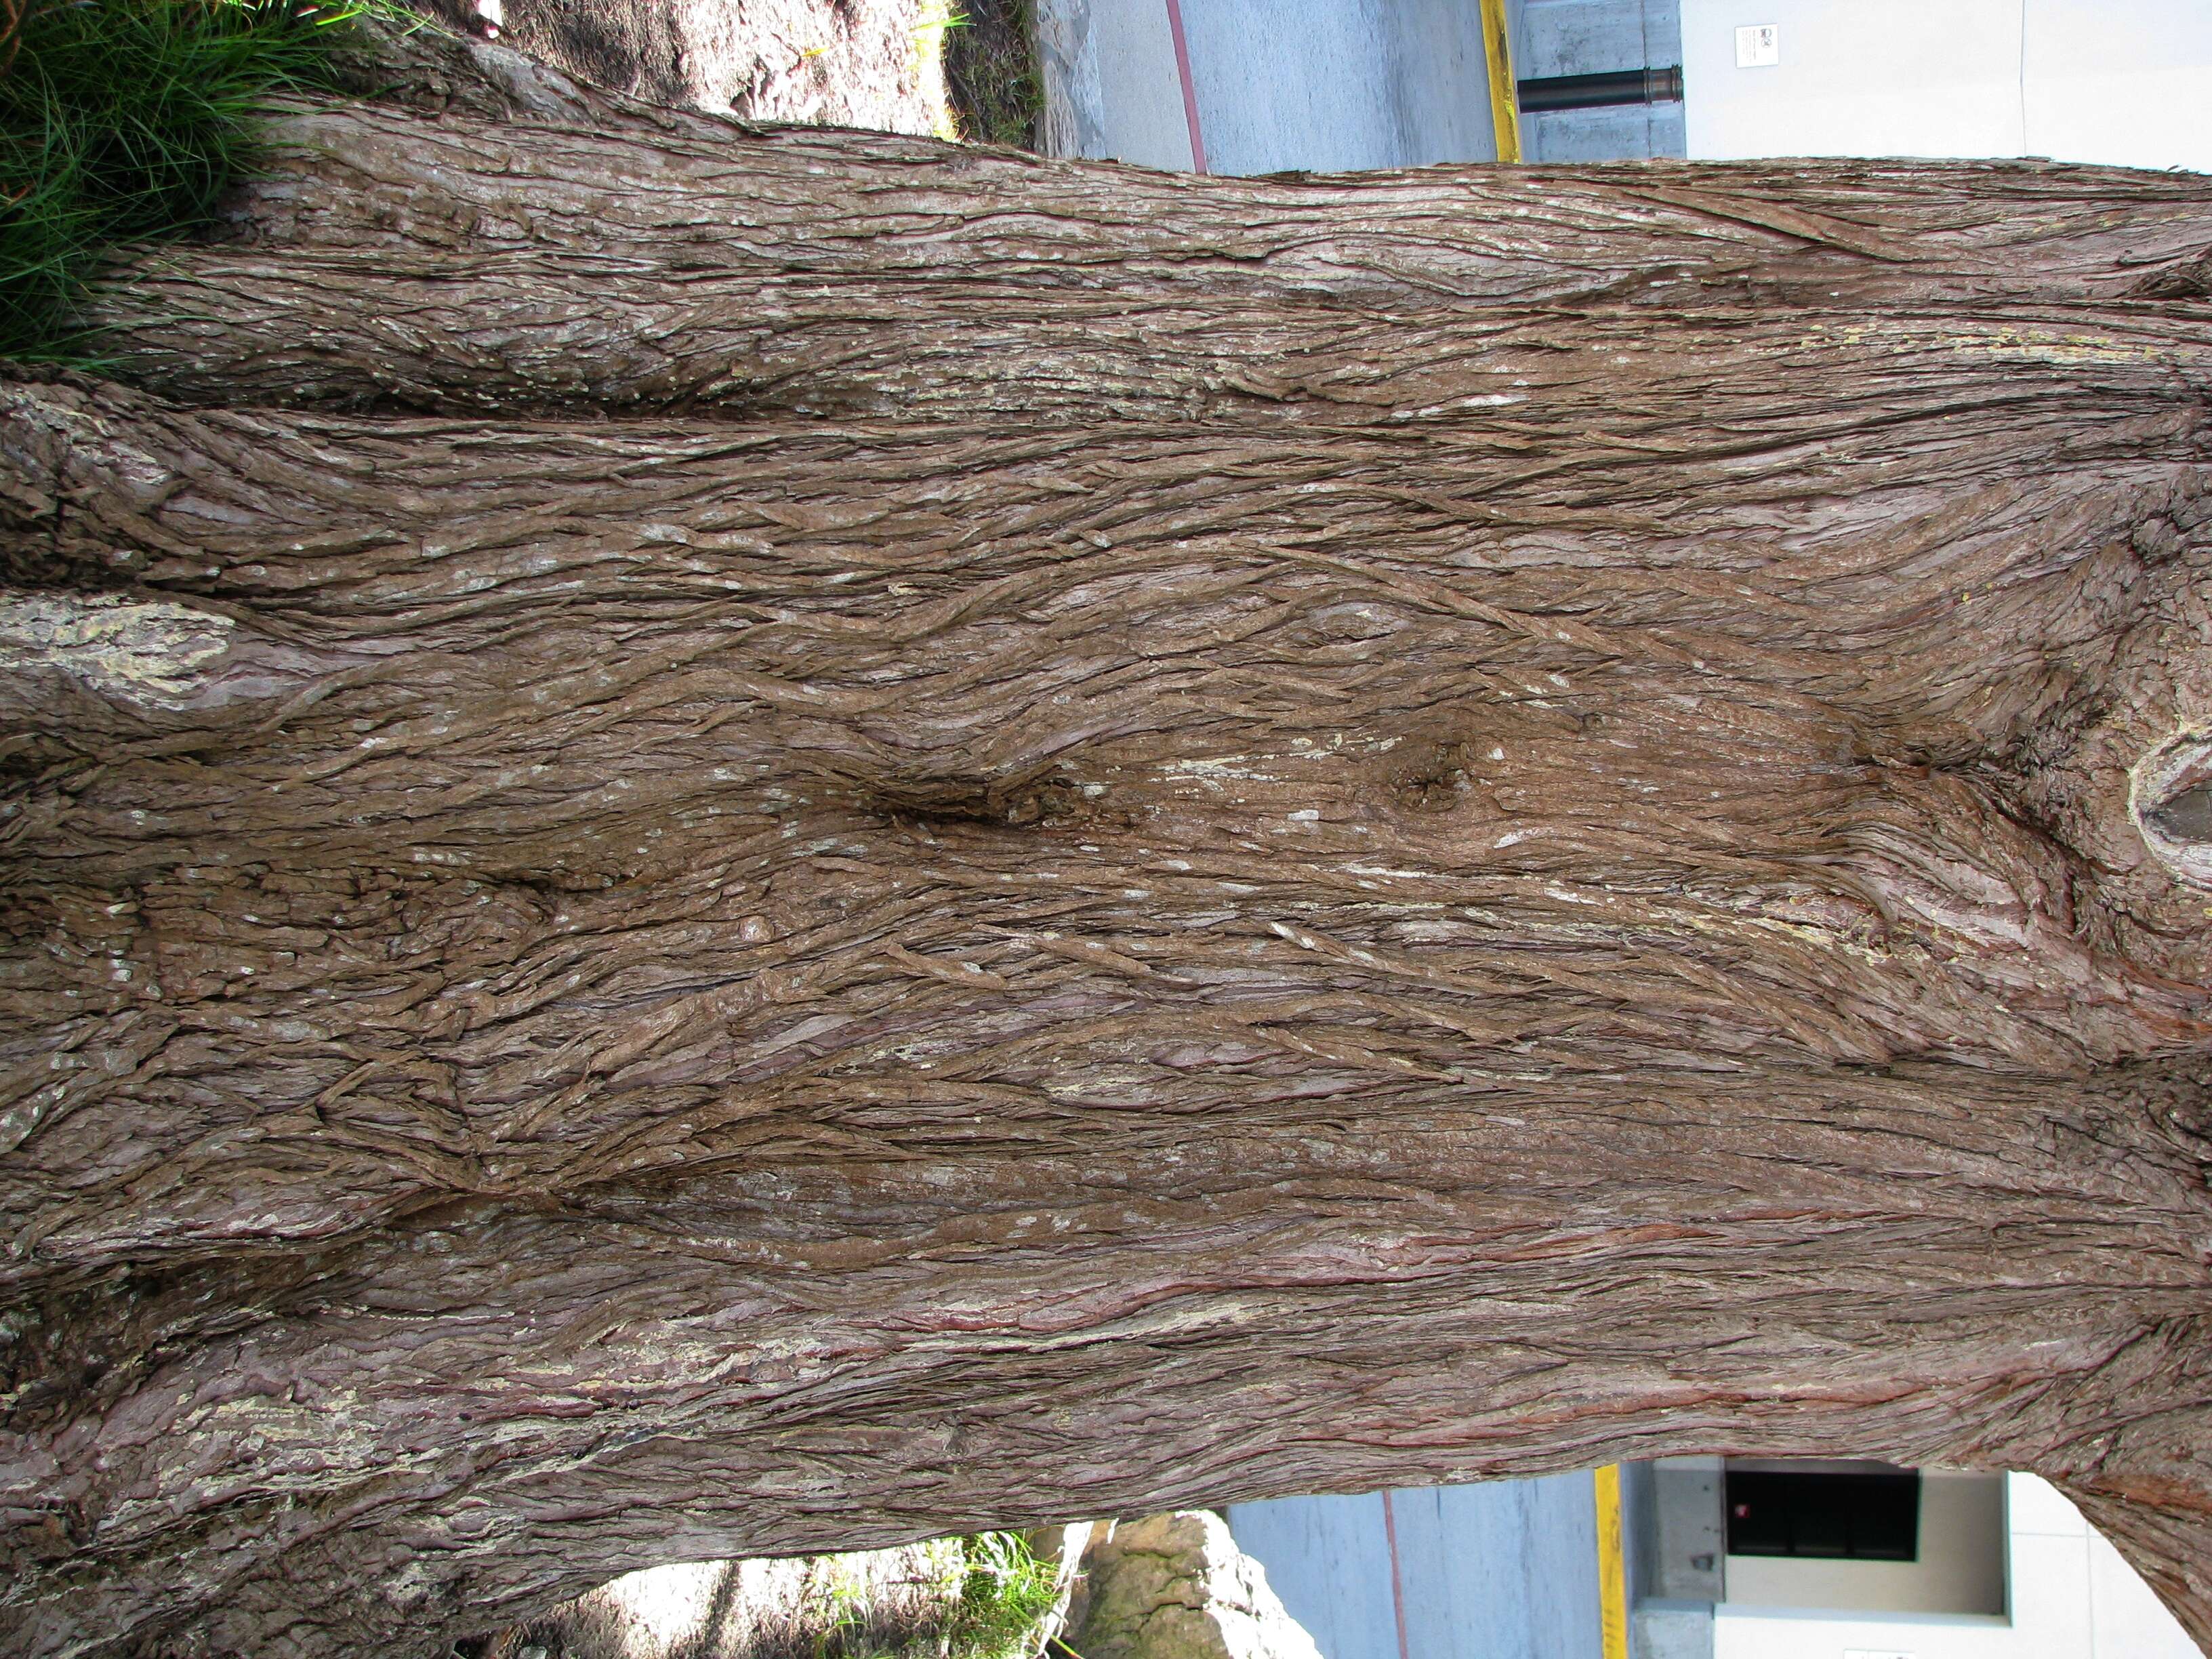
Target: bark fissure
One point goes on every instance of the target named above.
(951, 840)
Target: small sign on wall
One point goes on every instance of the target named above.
(1758, 46)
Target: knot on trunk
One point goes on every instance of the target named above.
(994, 803)
(2170, 798)
(1433, 777)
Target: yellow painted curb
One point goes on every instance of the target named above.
(1612, 1577)
(1504, 106)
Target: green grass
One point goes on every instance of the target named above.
(123, 121)
(986, 1597)
(1005, 1595)
(991, 72)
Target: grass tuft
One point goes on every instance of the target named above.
(991, 72)
(985, 1597)
(123, 121)
(1006, 1594)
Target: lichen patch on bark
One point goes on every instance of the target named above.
(143, 651)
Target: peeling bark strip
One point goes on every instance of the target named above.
(1195, 839)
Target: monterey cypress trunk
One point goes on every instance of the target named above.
(725, 842)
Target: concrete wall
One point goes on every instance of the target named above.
(1597, 37)
(1677, 1528)
(1593, 36)
(2125, 82)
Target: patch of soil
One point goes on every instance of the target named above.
(828, 1607)
(834, 62)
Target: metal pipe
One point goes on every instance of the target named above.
(1637, 86)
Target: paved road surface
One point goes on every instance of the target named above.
(1321, 85)
(1505, 1570)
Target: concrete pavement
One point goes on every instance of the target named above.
(1500, 1570)
(1320, 85)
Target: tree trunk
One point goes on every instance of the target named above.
(727, 843)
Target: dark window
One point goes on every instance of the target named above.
(1853, 1518)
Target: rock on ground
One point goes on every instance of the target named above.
(1176, 1587)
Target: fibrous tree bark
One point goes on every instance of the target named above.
(726, 842)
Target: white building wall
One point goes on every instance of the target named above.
(2127, 82)
(1854, 77)
(2124, 82)
(2071, 1596)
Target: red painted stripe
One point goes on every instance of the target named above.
(1391, 1536)
(1189, 105)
